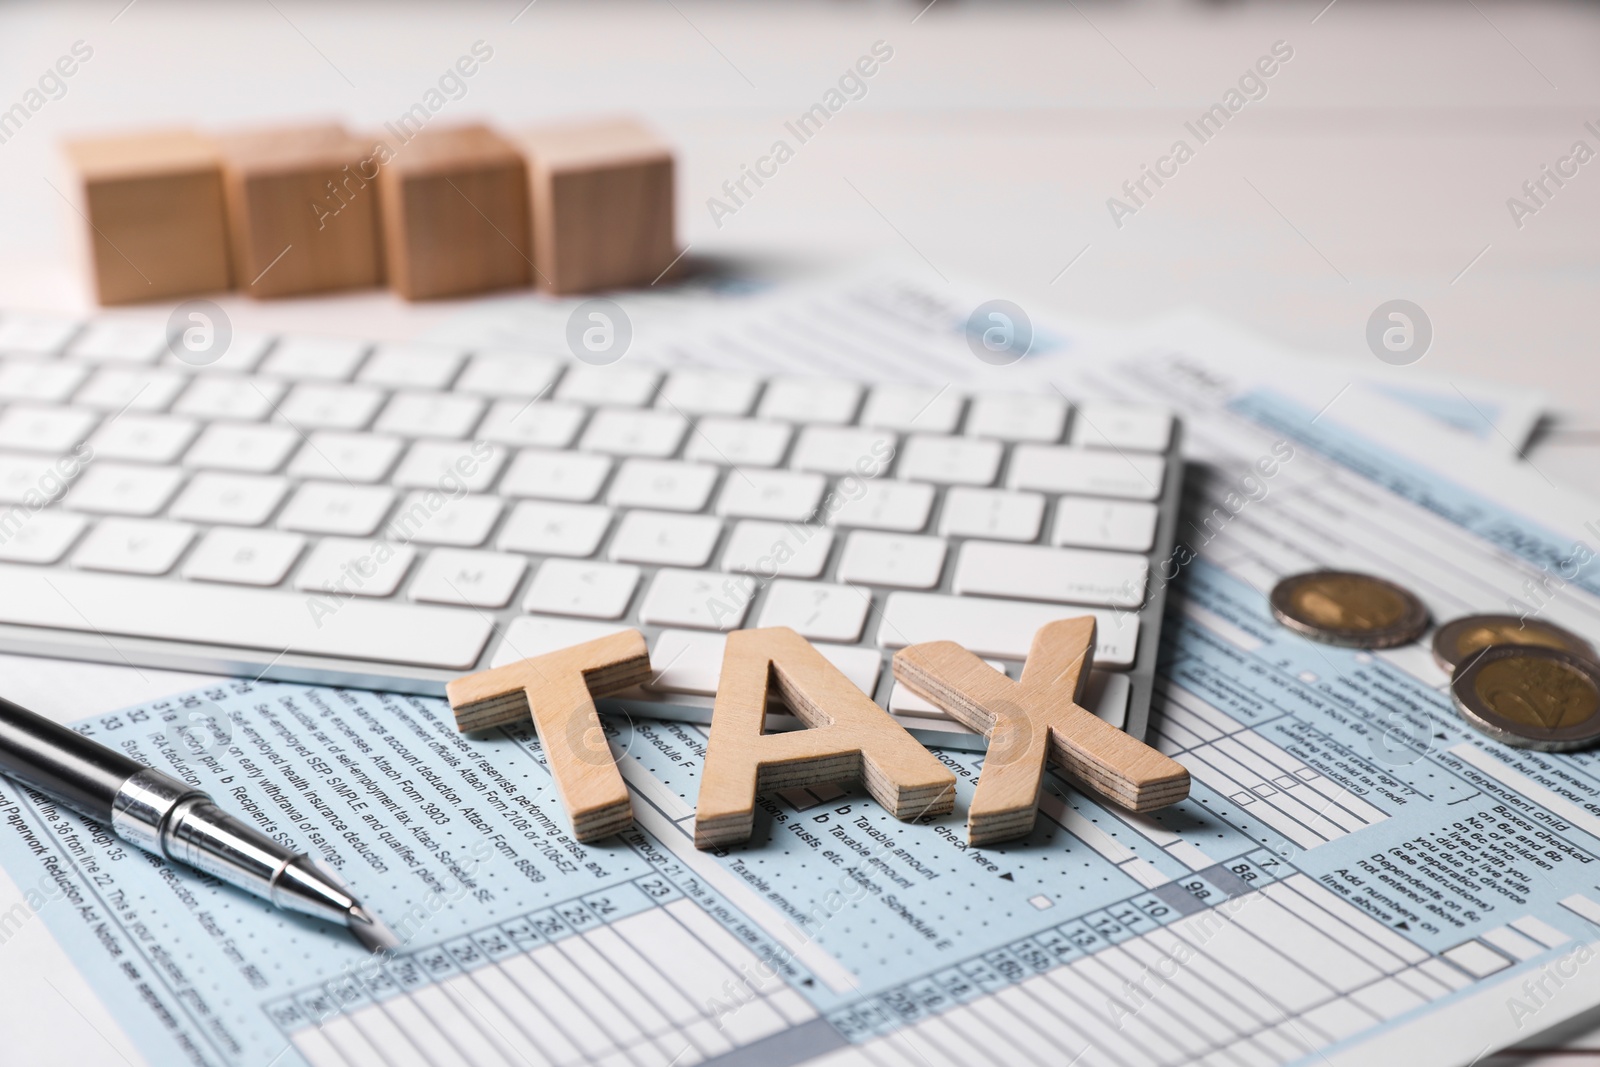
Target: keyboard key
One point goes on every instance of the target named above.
(686, 662)
(1121, 426)
(43, 537)
(709, 392)
(634, 433)
(904, 560)
(690, 662)
(581, 587)
(216, 396)
(329, 359)
(1017, 417)
(769, 549)
(816, 610)
(704, 600)
(347, 457)
(120, 489)
(810, 400)
(1062, 575)
(236, 447)
(32, 479)
(883, 505)
(44, 428)
(1088, 523)
(243, 557)
(120, 341)
(39, 379)
(534, 423)
(146, 438)
(450, 466)
(785, 496)
(513, 374)
(431, 518)
(241, 356)
(995, 514)
(133, 546)
(329, 407)
(233, 499)
(115, 389)
(410, 366)
(575, 476)
(666, 485)
(535, 635)
(36, 334)
(738, 442)
(336, 508)
(462, 576)
(614, 385)
(355, 567)
(269, 620)
(1002, 628)
(448, 415)
(1086, 471)
(922, 409)
(951, 460)
(844, 450)
(861, 665)
(555, 529)
(670, 540)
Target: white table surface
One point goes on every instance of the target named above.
(1378, 166)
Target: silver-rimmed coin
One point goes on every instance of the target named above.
(1349, 609)
(1530, 697)
(1459, 638)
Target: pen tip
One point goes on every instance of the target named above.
(371, 931)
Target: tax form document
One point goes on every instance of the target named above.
(1356, 878)
(882, 323)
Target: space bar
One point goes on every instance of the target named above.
(271, 620)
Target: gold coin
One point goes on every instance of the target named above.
(1349, 609)
(1460, 638)
(1530, 696)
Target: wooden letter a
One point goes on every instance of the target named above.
(1027, 720)
(558, 691)
(849, 738)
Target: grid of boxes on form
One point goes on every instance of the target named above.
(637, 976)
(1266, 782)
(640, 975)
(1290, 969)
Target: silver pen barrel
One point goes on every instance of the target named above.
(162, 815)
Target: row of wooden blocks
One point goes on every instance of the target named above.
(439, 212)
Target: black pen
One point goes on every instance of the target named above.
(162, 815)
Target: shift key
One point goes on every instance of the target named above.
(1000, 628)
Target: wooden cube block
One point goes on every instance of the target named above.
(455, 214)
(602, 205)
(156, 227)
(302, 210)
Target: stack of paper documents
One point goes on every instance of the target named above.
(1358, 877)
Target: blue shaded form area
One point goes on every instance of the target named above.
(1553, 553)
(1456, 412)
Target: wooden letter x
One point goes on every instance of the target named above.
(849, 738)
(558, 691)
(1024, 721)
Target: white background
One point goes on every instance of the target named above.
(1378, 166)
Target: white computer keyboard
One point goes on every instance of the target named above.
(391, 516)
